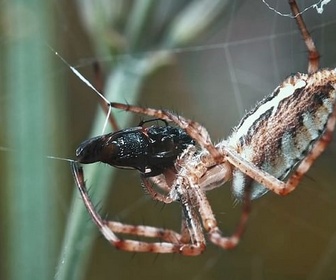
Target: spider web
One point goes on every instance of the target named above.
(214, 81)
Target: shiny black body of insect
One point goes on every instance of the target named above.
(150, 150)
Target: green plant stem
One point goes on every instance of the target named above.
(31, 226)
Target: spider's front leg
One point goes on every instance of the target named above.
(173, 240)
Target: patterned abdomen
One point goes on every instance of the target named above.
(278, 133)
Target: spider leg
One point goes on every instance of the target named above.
(163, 182)
(210, 223)
(153, 193)
(173, 242)
(185, 236)
(191, 226)
(314, 56)
(159, 181)
(146, 231)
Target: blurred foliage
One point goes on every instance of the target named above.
(28, 114)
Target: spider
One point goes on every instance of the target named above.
(271, 149)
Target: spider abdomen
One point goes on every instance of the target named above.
(278, 133)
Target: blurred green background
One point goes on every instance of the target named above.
(207, 60)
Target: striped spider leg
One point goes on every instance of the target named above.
(272, 148)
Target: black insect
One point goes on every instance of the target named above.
(150, 150)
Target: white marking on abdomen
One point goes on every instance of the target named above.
(284, 92)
